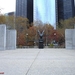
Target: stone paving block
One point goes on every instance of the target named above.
(37, 62)
(16, 62)
(54, 62)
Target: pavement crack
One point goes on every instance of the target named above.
(32, 62)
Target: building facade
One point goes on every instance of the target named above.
(65, 9)
(47, 11)
(24, 8)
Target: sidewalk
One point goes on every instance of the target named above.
(37, 62)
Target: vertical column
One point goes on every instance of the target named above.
(2, 36)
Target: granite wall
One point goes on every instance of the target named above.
(70, 38)
(7, 38)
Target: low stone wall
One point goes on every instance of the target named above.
(70, 38)
(2, 37)
(7, 38)
(10, 39)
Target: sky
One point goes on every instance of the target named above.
(7, 6)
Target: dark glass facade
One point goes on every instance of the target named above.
(65, 9)
(24, 8)
(30, 10)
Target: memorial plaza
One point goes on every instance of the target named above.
(34, 61)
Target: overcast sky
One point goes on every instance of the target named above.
(7, 5)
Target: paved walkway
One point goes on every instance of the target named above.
(37, 62)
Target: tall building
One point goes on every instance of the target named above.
(11, 14)
(65, 9)
(24, 8)
(48, 11)
(45, 11)
(42, 10)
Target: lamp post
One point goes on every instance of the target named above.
(54, 37)
(34, 43)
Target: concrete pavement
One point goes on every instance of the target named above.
(37, 62)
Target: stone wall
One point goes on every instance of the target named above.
(7, 38)
(10, 39)
(70, 38)
(2, 37)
